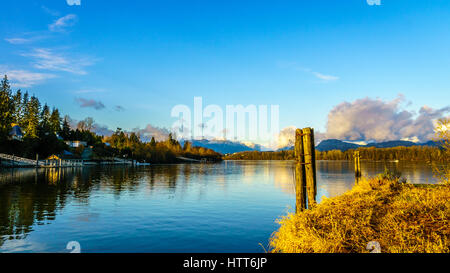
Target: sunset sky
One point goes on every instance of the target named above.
(381, 71)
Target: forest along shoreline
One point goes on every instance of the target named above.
(33, 130)
(427, 154)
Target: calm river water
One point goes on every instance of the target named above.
(226, 207)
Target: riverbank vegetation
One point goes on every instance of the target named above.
(414, 153)
(44, 132)
(401, 217)
(443, 136)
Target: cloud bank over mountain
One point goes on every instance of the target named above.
(377, 120)
(150, 131)
(374, 120)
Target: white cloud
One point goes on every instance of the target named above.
(152, 131)
(286, 137)
(325, 77)
(295, 66)
(48, 60)
(24, 78)
(73, 2)
(412, 139)
(17, 41)
(377, 120)
(50, 11)
(62, 23)
(26, 38)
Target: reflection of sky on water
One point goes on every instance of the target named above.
(227, 207)
(321, 192)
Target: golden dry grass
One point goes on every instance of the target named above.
(401, 217)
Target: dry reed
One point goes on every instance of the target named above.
(401, 217)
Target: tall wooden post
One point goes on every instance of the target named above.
(310, 168)
(300, 179)
(313, 161)
(357, 158)
(37, 160)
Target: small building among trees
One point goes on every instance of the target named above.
(16, 132)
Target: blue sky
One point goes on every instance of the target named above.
(140, 59)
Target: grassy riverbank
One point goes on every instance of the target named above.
(401, 217)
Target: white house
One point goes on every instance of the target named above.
(76, 143)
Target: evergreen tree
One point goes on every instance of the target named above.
(24, 107)
(55, 121)
(17, 114)
(6, 106)
(134, 139)
(187, 146)
(65, 131)
(153, 142)
(45, 119)
(32, 117)
(172, 143)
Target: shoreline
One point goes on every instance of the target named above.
(102, 164)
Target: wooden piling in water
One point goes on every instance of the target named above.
(305, 169)
(357, 159)
(300, 179)
(310, 168)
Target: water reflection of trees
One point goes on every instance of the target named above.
(30, 197)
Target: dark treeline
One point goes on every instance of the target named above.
(38, 122)
(256, 155)
(414, 153)
(45, 132)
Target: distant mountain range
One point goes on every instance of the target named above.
(335, 144)
(230, 147)
(225, 146)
